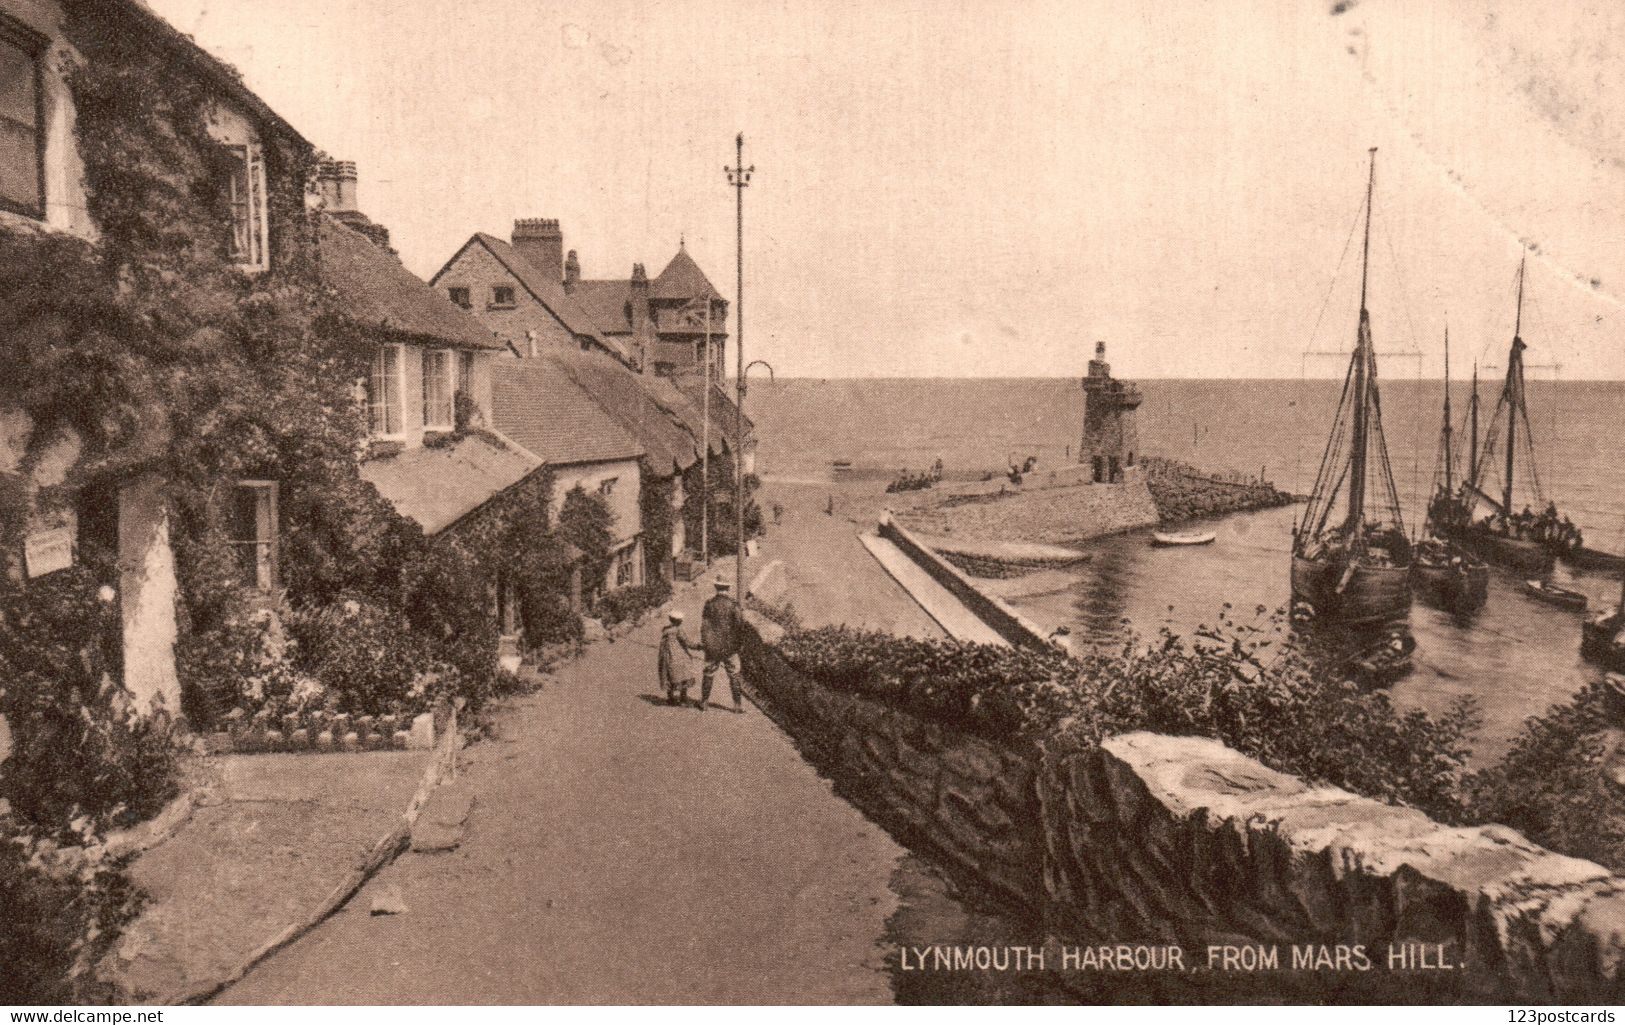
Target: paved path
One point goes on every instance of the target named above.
(620, 852)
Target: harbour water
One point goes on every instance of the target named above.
(1515, 658)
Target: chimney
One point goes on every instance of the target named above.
(541, 243)
(336, 180)
(637, 302)
(572, 271)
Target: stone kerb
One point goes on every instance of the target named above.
(318, 731)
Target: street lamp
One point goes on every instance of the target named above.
(739, 180)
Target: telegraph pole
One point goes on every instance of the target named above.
(739, 179)
(705, 447)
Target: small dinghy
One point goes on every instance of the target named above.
(1550, 593)
(1189, 537)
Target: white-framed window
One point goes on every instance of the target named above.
(386, 414)
(626, 566)
(465, 373)
(606, 487)
(253, 529)
(245, 193)
(502, 297)
(22, 119)
(439, 411)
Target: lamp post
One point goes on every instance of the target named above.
(739, 180)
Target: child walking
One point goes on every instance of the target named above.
(676, 669)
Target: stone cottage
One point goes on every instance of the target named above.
(433, 451)
(257, 176)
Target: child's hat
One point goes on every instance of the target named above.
(676, 615)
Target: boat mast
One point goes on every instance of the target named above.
(1447, 456)
(1514, 394)
(1472, 436)
(1362, 356)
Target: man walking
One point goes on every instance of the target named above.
(721, 640)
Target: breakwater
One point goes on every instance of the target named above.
(1181, 841)
(1183, 492)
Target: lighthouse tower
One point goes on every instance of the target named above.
(1110, 437)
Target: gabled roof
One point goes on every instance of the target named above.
(682, 279)
(635, 404)
(542, 287)
(438, 485)
(605, 302)
(724, 414)
(374, 289)
(540, 407)
(221, 75)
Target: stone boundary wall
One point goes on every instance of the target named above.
(1180, 840)
(1001, 618)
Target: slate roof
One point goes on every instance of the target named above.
(657, 422)
(548, 292)
(605, 302)
(682, 279)
(724, 414)
(542, 408)
(376, 290)
(438, 486)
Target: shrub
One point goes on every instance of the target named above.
(368, 659)
(625, 603)
(1551, 785)
(783, 613)
(79, 748)
(587, 524)
(1287, 712)
(57, 924)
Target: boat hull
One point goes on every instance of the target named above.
(1514, 553)
(1458, 589)
(1559, 596)
(1161, 540)
(1373, 594)
(1590, 558)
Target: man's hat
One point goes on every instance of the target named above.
(722, 584)
(676, 615)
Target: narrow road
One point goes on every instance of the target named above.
(621, 851)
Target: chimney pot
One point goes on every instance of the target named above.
(541, 243)
(335, 179)
(572, 271)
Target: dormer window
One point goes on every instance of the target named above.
(502, 297)
(245, 195)
(461, 297)
(22, 120)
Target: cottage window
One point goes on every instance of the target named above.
(253, 531)
(665, 369)
(437, 390)
(22, 120)
(606, 487)
(385, 412)
(625, 566)
(465, 374)
(502, 296)
(245, 194)
(461, 297)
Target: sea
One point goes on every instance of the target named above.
(1515, 658)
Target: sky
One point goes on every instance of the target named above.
(981, 188)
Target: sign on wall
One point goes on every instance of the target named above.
(48, 551)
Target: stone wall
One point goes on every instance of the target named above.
(1001, 618)
(1181, 841)
(971, 805)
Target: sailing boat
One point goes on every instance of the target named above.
(1355, 571)
(1445, 572)
(1488, 524)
